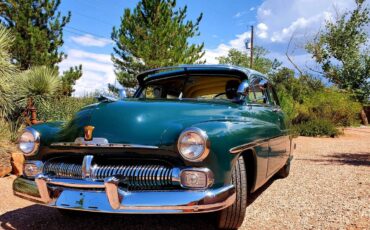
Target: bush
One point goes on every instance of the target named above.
(317, 127)
(331, 105)
(61, 109)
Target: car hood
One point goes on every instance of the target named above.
(146, 122)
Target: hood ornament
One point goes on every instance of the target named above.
(88, 132)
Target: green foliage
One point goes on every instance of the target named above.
(9, 130)
(296, 87)
(6, 72)
(306, 102)
(260, 62)
(62, 109)
(331, 105)
(69, 79)
(38, 31)
(342, 50)
(317, 127)
(39, 84)
(153, 35)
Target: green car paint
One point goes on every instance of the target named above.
(160, 122)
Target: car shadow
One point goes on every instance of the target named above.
(353, 159)
(41, 217)
(253, 196)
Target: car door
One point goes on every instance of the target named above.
(279, 146)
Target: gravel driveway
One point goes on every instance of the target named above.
(328, 188)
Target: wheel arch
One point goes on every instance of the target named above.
(250, 161)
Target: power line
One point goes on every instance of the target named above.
(86, 32)
(93, 18)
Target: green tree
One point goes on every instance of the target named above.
(38, 31)
(342, 50)
(154, 34)
(68, 80)
(260, 62)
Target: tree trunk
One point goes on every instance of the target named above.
(364, 117)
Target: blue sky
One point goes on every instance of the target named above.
(225, 25)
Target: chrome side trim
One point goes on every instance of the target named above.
(249, 145)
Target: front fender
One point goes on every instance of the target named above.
(226, 135)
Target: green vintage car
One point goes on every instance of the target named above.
(192, 139)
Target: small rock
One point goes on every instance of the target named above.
(5, 166)
(17, 163)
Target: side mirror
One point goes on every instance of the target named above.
(122, 93)
(243, 89)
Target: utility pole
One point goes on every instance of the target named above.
(251, 57)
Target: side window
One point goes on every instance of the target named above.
(274, 97)
(259, 91)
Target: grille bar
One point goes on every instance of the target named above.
(134, 176)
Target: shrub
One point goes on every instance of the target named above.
(331, 105)
(61, 109)
(317, 127)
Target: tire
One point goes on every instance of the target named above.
(232, 217)
(284, 171)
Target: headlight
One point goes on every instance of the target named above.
(29, 142)
(193, 144)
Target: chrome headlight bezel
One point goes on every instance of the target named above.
(35, 141)
(206, 144)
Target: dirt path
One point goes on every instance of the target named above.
(328, 188)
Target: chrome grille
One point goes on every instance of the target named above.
(134, 176)
(63, 169)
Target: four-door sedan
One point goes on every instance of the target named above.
(192, 139)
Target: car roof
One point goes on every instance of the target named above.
(192, 69)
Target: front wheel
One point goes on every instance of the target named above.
(233, 216)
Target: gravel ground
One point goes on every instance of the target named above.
(328, 188)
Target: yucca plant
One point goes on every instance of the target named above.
(7, 71)
(39, 84)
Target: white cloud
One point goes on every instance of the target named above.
(238, 15)
(252, 9)
(262, 29)
(89, 40)
(301, 17)
(223, 49)
(97, 69)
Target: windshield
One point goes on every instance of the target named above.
(192, 87)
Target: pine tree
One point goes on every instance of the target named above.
(153, 35)
(69, 79)
(38, 31)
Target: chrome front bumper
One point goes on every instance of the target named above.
(108, 197)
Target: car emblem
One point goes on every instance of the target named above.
(88, 132)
